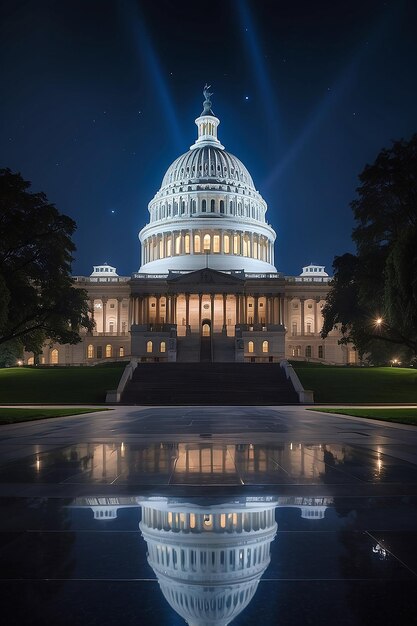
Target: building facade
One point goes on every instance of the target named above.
(207, 287)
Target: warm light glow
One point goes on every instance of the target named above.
(378, 321)
(20, 363)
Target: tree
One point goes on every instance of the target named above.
(38, 299)
(373, 296)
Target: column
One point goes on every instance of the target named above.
(317, 317)
(212, 311)
(158, 309)
(187, 313)
(256, 304)
(130, 312)
(224, 329)
(200, 298)
(92, 313)
(302, 301)
(104, 301)
(237, 308)
(174, 312)
(119, 314)
(245, 312)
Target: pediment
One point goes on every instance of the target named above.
(205, 276)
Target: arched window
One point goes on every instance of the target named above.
(187, 244)
(265, 346)
(109, 351)
(216, 243)
(169, 246)
(193, 206)
(178, 244)
(163, 347)
(121, 351)
(308, 351)
(226, 244)
(236, 244)
(161, 249)
(231, 207)
(149, 346)
(251, 346)
(54, 357)
(90, 351)
(206, 243)
(212, 205)
(31, 360)
(204, 205)
(197, 243)
(221, 206)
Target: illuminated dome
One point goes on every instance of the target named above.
(208, 559)
(207, 212)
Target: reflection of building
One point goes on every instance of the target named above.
(208, 555)
(207, 269)
(208, 559)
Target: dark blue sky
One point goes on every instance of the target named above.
(100, 96)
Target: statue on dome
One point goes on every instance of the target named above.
(207, 102)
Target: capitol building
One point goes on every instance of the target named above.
(207, 287)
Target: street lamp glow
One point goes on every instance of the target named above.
(378, 321)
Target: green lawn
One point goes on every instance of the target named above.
(60, 385)
(358, 384)
(400, 416)
(13, 416)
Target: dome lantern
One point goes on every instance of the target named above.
(207, 124)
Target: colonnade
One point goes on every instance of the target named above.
(109, 316)
(187, 309)
(199, 203)
(183, 242)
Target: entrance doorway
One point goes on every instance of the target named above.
(206, 328)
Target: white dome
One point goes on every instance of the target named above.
(207, 164)
(207, 206)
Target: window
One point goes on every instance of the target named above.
(216, 243)
(197, 243)
(265, 346)
(308, 351)
(121, 351)
(294, 329)
(212, 205)
(163, 347)
(178, 244)
(226, 244)
(161, 249)
(169, 247)
(149, 346)
(236, 244)
(320, 352)
(206, 243)
(250, 346)
(221, 206)
(193, 206)
(54, 356)
(204, 206)
(109, 351)
(187, 244)
(31, 360)
(90, 351)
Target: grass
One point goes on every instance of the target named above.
(358, 384)
(14, 416)
(58, 385)
(400, 416)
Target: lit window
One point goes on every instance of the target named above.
(121, 351)
(163, 347)
(54, 356)
(187, 244)
(149, 346)
(178, 244)
(216, 243)
(31, 360)
(236, 244)
(161, 249)
(169, 247)
(226, 244)
(197, 243)
(250, 346)
(245, 247)
(265, 346)
(90, 351)
(206, 243)
(109, 351)
(255, 249)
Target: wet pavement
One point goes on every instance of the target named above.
(208, 515)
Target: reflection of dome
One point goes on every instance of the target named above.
(207, 204)
(208, 559)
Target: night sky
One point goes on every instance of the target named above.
(99, 97)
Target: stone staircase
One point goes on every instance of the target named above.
(223, 348)
(188, 348)
(209, 384)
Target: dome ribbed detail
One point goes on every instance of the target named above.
(207, 164)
